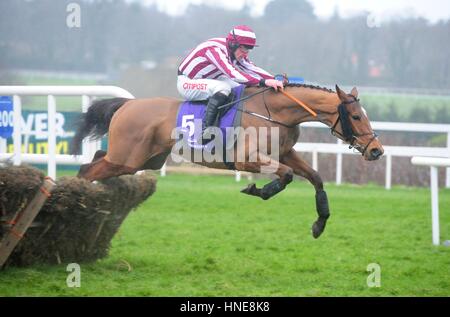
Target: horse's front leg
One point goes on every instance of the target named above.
(301, 168)
(266, 165)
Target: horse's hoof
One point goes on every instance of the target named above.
(318, 227)
(250, 189)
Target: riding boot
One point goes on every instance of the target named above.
(212, 108)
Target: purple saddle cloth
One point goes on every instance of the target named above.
(190, 115)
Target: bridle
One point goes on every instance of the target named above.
(348, 134)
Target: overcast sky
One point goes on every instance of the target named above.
(433, 10)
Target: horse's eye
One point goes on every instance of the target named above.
(356, 117)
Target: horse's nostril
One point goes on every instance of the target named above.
(375, 152)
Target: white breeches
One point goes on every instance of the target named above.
(202, 89)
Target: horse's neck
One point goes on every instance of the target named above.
(322, 102)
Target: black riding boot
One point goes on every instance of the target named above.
(212, 108)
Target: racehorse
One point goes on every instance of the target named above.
(140, 136)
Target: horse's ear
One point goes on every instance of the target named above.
(354, 92)
(341, 94)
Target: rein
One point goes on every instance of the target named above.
(257, 114)
(347, 132)
(244, 98)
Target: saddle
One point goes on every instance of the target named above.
(229, 104)
(190, 115)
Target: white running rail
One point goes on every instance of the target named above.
(433, 163)
(85, 92)
(389, 151)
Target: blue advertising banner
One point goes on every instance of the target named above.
(6, 117)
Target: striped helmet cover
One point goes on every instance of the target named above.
(243, 35)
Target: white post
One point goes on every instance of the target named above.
(339, 165)
(447, 176)
(26, 142)
(315, 164)
(3, 145)
(85, 100)
(163, 170)
(238, 176)
(51, 136)
(388, 180)
(433, 162)
(434, 204)
(17, 134)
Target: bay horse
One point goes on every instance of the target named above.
(139, 136)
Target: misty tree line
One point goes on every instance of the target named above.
(404, 53)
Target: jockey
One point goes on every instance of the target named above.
(217, 65)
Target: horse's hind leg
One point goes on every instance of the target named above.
(157, 161)
(84, 168)
(98, 155)
(102, 169)
(266, 164)
(302, 168)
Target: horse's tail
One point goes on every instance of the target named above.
(95, 122)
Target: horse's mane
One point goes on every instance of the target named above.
(310, 87)
(303, 86)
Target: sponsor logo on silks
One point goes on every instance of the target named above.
(195, 86)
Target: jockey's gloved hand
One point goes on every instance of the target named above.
(275, 84)
(283, 78)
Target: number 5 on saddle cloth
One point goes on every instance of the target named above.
(190, 115)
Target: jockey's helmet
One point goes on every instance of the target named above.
(241, 35)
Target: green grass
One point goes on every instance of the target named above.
(39, 104)
(36, 103)
(37, 80)
(198, 236)
(383, 104)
